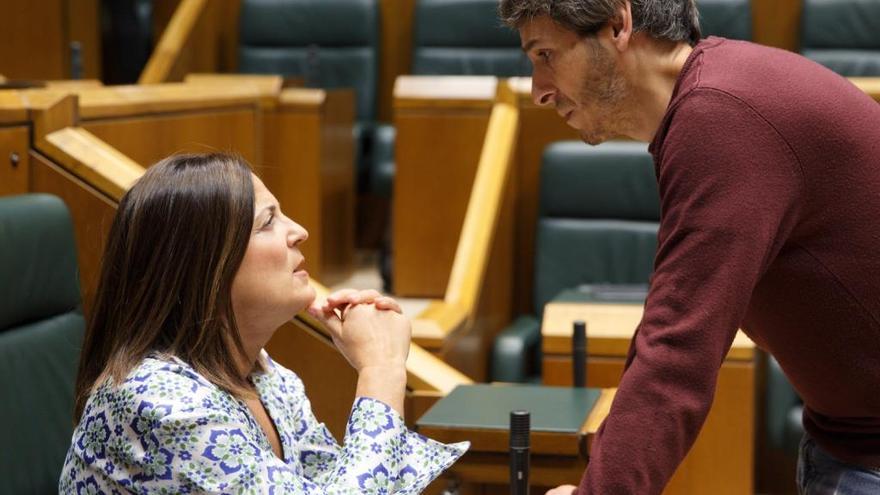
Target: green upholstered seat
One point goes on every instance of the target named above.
(597, 224)
(41, 329)
(465, 37)
(382, 161)
(843, 35)
(726, 18)
(783, 411)
(328, 43)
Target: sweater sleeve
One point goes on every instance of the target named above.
(729, 186)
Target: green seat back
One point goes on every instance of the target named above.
(598, 220)
(329, 43)
(843, 35)
(41, 329)
(465, 37)
(726, 18)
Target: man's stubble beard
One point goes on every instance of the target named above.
(608, 88)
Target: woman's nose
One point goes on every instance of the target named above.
(297, 233)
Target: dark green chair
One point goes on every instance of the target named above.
(597, 224)
(465, 37)
(328, 43)
(41, 330)
(784, 411)
(843, 35)
(726, 18)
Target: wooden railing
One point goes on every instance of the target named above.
(461, 311)
(175, 44)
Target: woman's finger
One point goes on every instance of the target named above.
(324, 313)
(388, 303)
(341, 297)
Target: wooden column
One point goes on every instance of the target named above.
(777, 23)
(311, 171)
(441, 123)
(14, 144)
(395, 57)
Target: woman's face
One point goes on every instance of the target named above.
(271, 285)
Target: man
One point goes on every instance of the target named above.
(769, 175)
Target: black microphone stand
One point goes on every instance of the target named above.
(579, 354)
(519, 452)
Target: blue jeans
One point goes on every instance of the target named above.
(818, 473)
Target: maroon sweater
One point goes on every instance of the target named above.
(769, 174)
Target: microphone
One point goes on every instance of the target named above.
(519, 452)
(579, 354)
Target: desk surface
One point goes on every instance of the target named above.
(563, 418)
(610, 327)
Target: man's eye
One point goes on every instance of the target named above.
(545, 56)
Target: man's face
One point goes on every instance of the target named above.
(578, 77)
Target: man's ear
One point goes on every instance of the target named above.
(621, 27)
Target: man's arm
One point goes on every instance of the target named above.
(729, 186)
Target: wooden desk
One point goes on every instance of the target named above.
(721, 461)
(557, 457)
(870, 85)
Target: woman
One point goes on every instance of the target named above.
(174, 393)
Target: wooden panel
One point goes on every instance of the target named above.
(227, 55)
(437, 155)
(13, 107)
(337, 185)
(83, 18)
(494, 469)
(14, 162)
(602, 371)
(149, 139)
(722, 459)
(777, 23)
(309, 166)
(223, 30)
(441, 125)
(32, 41)
(396, 49)
(610, 328)
(329, 380)
(92, 215)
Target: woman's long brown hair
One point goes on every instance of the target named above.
(178, 238)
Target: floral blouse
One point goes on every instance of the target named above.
(166, 429)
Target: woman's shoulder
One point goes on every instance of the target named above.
(157, 384)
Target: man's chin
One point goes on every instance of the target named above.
(593, 139)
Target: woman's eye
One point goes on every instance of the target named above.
(269, 221)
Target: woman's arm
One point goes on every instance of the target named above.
(371, 332)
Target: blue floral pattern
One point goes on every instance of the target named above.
(166, 429)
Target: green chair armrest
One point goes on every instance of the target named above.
(516, 354)
(782, 419)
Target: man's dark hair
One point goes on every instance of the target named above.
(670, 20)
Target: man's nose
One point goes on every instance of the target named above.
(542, 91)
